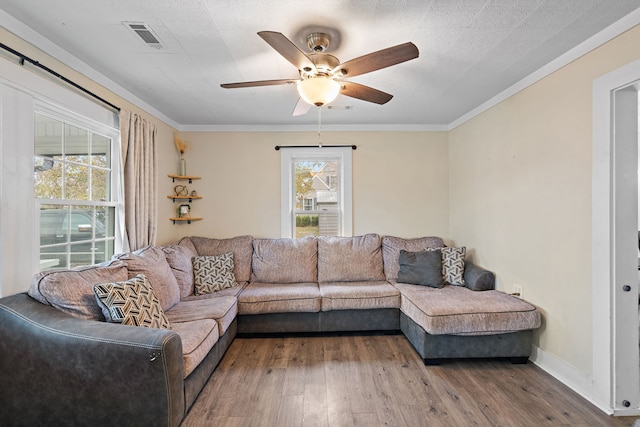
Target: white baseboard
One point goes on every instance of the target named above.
(567, 374)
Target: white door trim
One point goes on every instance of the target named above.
(615, 370)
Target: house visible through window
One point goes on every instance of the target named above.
(316, 192)
(73, 176)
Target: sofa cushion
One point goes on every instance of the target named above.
(241, 247)
(178, 257)
(421, 268)
(71, 291)
(198, 338)
(213, 273)
(228, 292)
(350, 259)
(391, 247)
(151, 262)
(259, 298)
(457, 310)
(222, 309)
(285, 260)
(131, 302)
(358, 295)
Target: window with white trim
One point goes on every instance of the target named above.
(316, 191)
(74, 180)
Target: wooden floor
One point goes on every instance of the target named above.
(379, 380)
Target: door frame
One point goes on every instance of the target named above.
(616, 357)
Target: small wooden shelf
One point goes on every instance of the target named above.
(187, 220)
(190, 198)
(190, 178)
(187, 198)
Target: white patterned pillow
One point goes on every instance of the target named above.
(213, 273)
(453, 265)
(131, 302)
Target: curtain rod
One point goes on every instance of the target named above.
(277, 147)
(24, 58)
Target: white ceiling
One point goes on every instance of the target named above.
(470, 50)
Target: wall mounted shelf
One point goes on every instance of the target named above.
(187, 198)
(183, 177)
(184, 219)
(182, 198)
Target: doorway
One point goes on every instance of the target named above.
(616, 353)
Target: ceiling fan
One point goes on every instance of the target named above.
(321, 74)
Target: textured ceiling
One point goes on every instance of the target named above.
(470, 50)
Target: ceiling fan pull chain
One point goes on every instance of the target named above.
(319, 119)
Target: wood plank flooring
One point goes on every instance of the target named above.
(379, 380)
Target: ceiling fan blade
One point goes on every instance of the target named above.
(378, 60)
(258, 83)
(365, 93)
(302, 107)
(290, 51)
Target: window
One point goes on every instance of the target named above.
(309, 204)
(316, 191)
(73, 187)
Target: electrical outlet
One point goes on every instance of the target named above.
(517, 291)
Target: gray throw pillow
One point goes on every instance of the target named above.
(421, 268)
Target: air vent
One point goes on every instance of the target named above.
(145, 33)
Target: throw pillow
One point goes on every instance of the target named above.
(179, 259)
(152, 262)
(240, 246)
(453, 265)
(421, 268)
(131, 302)
(392, 245)
(213, 273)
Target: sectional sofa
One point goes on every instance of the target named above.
(66, 360)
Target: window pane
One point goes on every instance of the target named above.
(76, 144)
(76, 181)
(48, 137)
(317, 189)
(105, 222)
(103, 251)
(100, 151)
(306, 225)
(100, 184)
(47, 178)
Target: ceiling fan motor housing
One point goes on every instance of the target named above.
(318, 42)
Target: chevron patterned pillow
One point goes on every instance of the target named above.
(213, 273)
(132, 302)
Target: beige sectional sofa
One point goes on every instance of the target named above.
(62, 363)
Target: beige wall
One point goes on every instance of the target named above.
(400, 182)
(520, 195)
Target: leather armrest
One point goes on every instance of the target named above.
(477, 278)
(58, 369)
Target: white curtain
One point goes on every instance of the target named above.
(140, 164)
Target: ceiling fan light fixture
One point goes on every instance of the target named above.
(319, 90)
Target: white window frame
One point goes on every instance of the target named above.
(288, 157)
(116, 196)
(20, 89)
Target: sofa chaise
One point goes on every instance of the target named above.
(64, 362)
